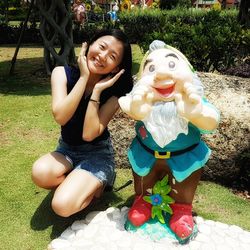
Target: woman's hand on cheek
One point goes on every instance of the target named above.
(108, 81)
(82, 62)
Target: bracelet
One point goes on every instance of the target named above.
(92, 100)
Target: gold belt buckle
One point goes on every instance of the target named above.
(162, 156)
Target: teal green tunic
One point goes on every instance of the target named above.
(182, 165)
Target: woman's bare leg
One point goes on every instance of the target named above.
(75, 192)
(49, 170)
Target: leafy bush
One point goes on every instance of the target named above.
(212, 40)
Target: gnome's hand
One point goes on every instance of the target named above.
(138, 103)
(142, 101)
(188, 102)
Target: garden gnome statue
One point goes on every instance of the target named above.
(171, 112)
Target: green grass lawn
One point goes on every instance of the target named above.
(27, 130)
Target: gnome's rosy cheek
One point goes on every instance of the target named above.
(143, 132)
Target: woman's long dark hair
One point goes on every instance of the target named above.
(125, 83)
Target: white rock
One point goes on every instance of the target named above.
(101, 218)
(115, 236)
(195, 245)
(125, 209)
(202, 238)
(142, 246)
(224, 247)
(102, 239)
(244, 238)
(78, 224)
(221, 225)
(125, 242)
(158, 246)
(82, 243)
(90, 216)
(80, 233)
(183, 247)
(235, 229)
(244, 246)
(209, 222)
(198, 220)
(90, 231)
(208, 246)
(234, 243)
(205, 229)
(111, 210)
(216, 238)
(105, 231)
(232, 234)
(111, 246)
(98, 247)
(68, 234)
(59, 244)
(116, 215)
(219, 231)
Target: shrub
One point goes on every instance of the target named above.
(212, 40)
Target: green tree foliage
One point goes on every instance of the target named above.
(171, 4)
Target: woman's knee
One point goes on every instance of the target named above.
(65, 206)
(61, 206)
(41, 173)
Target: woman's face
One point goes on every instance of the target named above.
(105, 55)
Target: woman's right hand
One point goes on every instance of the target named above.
(108, 81)
(82, 62)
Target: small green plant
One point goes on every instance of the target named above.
(160, 199)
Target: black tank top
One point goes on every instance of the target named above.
(71, 132)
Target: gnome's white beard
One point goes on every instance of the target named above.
(164, 123)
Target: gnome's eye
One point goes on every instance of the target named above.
(151, 68)
(171, 65)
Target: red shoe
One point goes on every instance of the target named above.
(140, 212)
(181, 222)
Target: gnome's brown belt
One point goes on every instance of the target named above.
(166, 154)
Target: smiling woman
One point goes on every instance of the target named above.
(84, 99)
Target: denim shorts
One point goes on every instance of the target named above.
(96, 158)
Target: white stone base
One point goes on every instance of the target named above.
(104, 230)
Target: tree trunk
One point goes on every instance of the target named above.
(6, 9)
(56, 31)
(244, 14)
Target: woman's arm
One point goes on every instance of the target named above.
(96, 118)
(64, 105)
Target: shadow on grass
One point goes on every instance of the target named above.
(44, 216)
(28, 78)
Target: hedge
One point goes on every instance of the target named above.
(211, 40)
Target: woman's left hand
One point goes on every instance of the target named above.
(108, 81)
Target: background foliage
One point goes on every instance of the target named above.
(211, 40)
